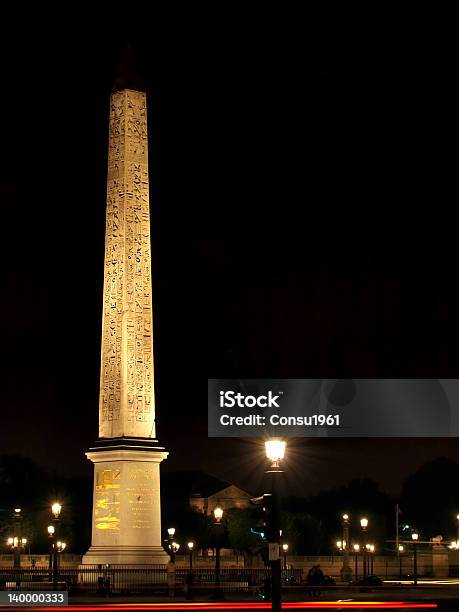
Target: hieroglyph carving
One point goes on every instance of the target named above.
(126, 403)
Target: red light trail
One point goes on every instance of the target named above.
(292, 605)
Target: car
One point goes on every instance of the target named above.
(368, 581)
(328, 581)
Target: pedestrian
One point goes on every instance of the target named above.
(189, 580)
(318, 579)
(310, 580)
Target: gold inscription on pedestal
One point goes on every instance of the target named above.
(107, 502)
(140, 492)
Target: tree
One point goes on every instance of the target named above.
(190, 525)
(301, 532)
(358, 498)
(240, 536)
(430, 498)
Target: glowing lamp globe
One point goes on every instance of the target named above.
(275, 449)
(218, 513)
(56, 509)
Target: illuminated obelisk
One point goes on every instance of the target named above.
(126, 522)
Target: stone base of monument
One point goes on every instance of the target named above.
(125, 555)
(126, 521)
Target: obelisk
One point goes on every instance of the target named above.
(126, 521)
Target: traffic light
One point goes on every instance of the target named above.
(269, 518)
(268, 524)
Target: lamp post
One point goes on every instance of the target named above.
(56, 511)
(218, 515)
(50, 530)
(415, 538)
(170, 542)
(285, 550)
(371, 550)
(17, 538)
(60, 547)
(457, 531)
(356, 548)
(190, 550)
(172, 547)
(275, 451)
(346, 569)
(401, 548)
(16, 545)
(364, 526)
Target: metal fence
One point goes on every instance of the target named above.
(144, 579)
(235, 579)
(91, 578)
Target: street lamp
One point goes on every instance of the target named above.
(346, 570)
(275, 452)
(170, 542)
(190, 550)
(284, 550)
(457, 531)
(16, 545)
(356, 548)
(415, 538)
(364, 526)
(50, 529)
(17, 538)
(56, 509)
(53, 533)
(218, 515)
(60, 547)
(371, 550)
(401, 548)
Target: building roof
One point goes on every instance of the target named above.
(193, 483)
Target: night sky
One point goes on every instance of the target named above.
(303, 188)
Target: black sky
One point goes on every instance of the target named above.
(302, 195)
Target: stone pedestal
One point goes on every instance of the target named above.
(126, 522)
